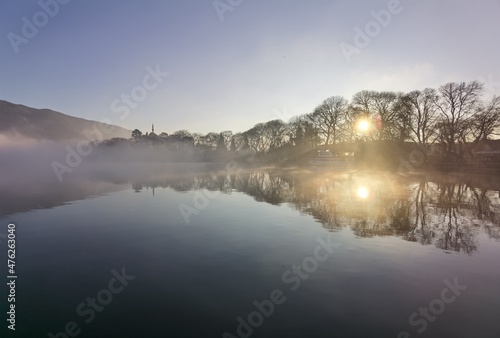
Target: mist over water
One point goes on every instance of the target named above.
(206, 240)
(379, 203)
(29, 177)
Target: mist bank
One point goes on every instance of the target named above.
(55, 162)
(46, 174)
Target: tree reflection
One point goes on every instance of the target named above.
(430, 211)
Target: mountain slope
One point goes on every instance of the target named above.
(46, 124)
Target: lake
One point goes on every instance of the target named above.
(255, 253)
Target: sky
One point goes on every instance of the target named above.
(206, 65)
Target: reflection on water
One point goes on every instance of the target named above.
(447, 212)
(22, 196)
(194, 280)
(444, 211)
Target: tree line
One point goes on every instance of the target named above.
(452, 116)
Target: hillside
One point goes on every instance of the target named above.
(46, 124)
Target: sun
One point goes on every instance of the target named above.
(363, 193)
(363, 125)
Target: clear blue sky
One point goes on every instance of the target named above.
(267, 59)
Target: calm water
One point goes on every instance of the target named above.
(365, 255)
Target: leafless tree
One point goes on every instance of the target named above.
(277, 133)
(227, 136)
(348, 128)
(237, 141)
(383, 108)
(328, 118)
(423, 115)
(486, 121)
(456, 103)
(208, 142)
(257, 139)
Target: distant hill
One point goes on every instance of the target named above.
(45, 124)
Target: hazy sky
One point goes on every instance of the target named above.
(265, 59)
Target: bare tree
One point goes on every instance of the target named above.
(382, 107)
(276, 131)
(486, 120)
(257, 139)
(348, 128)
(302, 133)
(402, 118)
(423, 115)
(237, 141)
(228, 136)
(221, 144)
(196, 138)
(456, 103)
(362, 102)
(181, 134)
(208, 142)
(328, 118)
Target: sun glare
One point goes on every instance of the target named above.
(363, 193)
(363, 125)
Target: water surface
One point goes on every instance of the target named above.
(203, 248)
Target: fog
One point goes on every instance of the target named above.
(46, 174)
